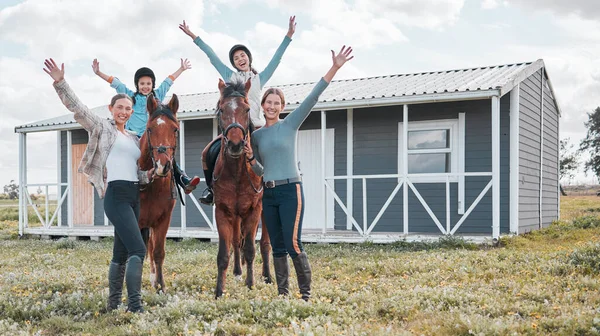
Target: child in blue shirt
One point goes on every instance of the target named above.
(144, 81)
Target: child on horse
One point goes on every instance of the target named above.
(241, 59)
(113, 170)
(274, 148)
(144, 81)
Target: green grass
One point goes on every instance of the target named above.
(544, 282)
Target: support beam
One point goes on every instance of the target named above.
(461, 162)
(58, 173)
(22, 214)
(323, 187)
(181, 162)
(514, 159)
(495, 167)
(25, 191)
(541, 212)
(349, 165)
(404, 153)
(70, 179)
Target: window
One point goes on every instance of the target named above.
(433, 147)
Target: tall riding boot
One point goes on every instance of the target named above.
(133, 280)
(116, 273)
(208, 197)
(282, 274)
(304, 274)
(187, 183)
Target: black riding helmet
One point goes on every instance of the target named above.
(236, 48)
(141, 72)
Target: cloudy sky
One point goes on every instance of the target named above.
(389, 37)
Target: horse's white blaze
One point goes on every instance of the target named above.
(153, 279)
(159, 121)
(233, 105)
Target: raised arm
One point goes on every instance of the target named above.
(96, 68)
(223, 70)
(297, 117)
(163, 88)
(267, 73)
(185, 65)
(114, 82)
(83, 115)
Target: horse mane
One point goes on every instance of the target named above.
(234, 88)
(163, 111)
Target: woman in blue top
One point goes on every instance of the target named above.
(144, 81)
(241, 59)
(273, 153)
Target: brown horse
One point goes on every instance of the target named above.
(238, 190)
(158, 147)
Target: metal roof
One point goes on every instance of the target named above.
(423, 87)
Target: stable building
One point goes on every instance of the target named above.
(471, 152)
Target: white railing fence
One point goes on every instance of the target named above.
(406, 181)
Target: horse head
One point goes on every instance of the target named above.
(159, 142)
(233, 113)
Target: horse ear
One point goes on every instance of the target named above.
(247, 87)
(174, 104)
(221, 85)
(151, 104)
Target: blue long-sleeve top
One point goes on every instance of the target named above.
(139, 118)
(258, 81)
(274, 147)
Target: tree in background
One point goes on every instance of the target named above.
(569, 161)
(591, 143)
(12, 190)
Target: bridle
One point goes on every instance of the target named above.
(245, 134)
(162, 149)
(233, 124)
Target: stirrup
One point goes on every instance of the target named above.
(208, 197)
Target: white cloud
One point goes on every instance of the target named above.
(492, 4)
(589, 9)
(430, 14)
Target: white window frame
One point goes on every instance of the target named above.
(457, 153)
(449, 124)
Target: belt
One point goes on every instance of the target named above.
(273, 184)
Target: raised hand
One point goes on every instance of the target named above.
(186, 29)
(342, 57)
(291, 26)
(53, 70)
(185, 64)
(96, 66)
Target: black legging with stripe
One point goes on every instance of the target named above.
(283, 209)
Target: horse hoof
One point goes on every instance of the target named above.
(268, 280)
(238, 277)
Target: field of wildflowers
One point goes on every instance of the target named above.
(540, 283)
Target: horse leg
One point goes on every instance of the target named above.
(225, 238)
(265, 250)
(160, 235)
(250, 226)
(150, 256)
(237, 245)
